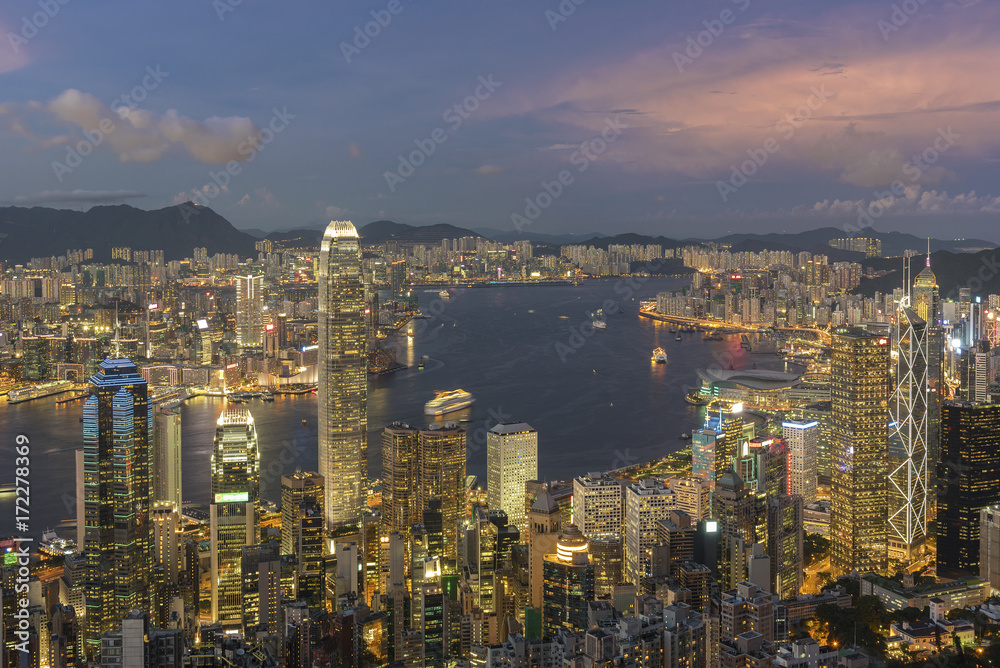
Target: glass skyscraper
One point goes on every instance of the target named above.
(117, 508)
(859, 511)
(343, 375)
(511, 461)
(234, 513)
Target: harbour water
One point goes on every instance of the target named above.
(526, 353)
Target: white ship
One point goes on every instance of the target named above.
(660, 356)
(448, 402)
(599, 320)
(444, 294)
(39, 391)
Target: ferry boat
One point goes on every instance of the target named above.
(39, 391)
(267, 396)
(444, 294)
(599, 320)
(54, 546)
(678, 338)
(8, 488)
(659, 355)
(447, 402)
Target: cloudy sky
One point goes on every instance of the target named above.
(677, 117)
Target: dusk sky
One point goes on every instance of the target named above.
(646, 107)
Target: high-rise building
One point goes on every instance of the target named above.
(926, 303)
(736, 512)
(117, 490)
(974, 371)
(597, 505)
(609, 563)
(511, 461)
(646, 503)
(166, 544)
(802, 437)
(400, 447)
(727, 443)
(167, 457)
(294, 488)
(969, 474)
(260, 568)
(249, 310)
(989, 545)
(544, 526)
(909, 475)
(568, 576)
(234, 513)
(343, 376)
(859, 510)
(441, 456)
(309, 551)
(703, 455)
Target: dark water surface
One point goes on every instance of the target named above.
(595, 398)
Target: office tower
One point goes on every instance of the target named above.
(736, 512)
(309, 551)
(703, 455)
(400, 446)
(746, 607)
(166, 547)
(478, 558)
(974, 370)
(348, 572)
(167, 456)
(646, 502)
(859, 511)
(431, 613)
(568, 577)
(234, 513)
(294, 489)
(927, 304)
(727, 443)
(343, 376)
(969, 472)
(118, 531)
(609, 563)
(694, 496)
(908, 433)
(441, 454)
(784, 544)
(597, 505)
(511, 461)
(802, 437)
(249, 310)
(260, 568)
(544, 526)
(676, 535)
(989, 545)
(820, 413)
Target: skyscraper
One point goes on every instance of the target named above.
(908, 435)
(970, 481)
(802, 437)
(927, 304)
(597, 505)
(736, 512)
(343, 375)
(860, 391)
(511, 461)
(118, 531)
(167, 457)
(400, 447)
(294, 488)
(568, 583)
(441, 455)
(249, 310)
(234, 513)
(646, 502)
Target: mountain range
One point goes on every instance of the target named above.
(43, 232)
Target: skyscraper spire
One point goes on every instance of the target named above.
(928, 251)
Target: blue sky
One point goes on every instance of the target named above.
(682, 118)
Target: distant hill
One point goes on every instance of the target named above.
(510, 236)
(953, 271)
(176, 230)
(385, 230)
(893, 243)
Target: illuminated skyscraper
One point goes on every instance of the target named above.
(568, 584)
(343, 375)
(249, 310)
(970, 481)
(598, 505)
(859, 512)
(117, 490)
(400, 445)
(234, 513)
(646, 502)
(441, 455)
(927, 305)
(909, 475)
(294, 488)
(511, 461)
(167, 457)
(802, 437)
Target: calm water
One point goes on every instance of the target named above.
(601, 406)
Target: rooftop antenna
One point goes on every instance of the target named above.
(928, 251)
(117, 348)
